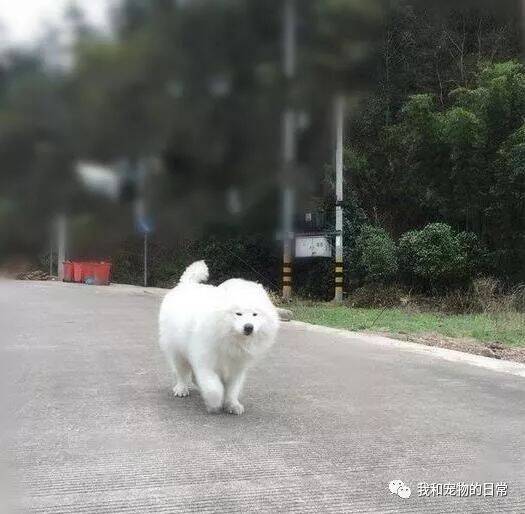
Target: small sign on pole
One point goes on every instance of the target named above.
(312, 246)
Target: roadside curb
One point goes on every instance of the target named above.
(284, 314)
(501, 366)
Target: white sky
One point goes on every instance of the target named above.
(22, 21)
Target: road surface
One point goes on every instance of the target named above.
(92, 427)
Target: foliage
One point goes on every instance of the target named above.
(436, 254)
(253, 257)
(314, 278)
(199, 86)
(375, 254)
(460, 162)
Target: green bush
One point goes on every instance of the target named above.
(438, 256)
(253, 257)
(375, 255)
(314, 278)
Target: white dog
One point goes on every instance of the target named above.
(214, 334)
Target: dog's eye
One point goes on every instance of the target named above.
(255, 314)
(239, 313)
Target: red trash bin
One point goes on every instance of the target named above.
(77, 272)
(88, 272)
(102, 272)
(68, 271)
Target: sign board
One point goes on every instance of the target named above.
(143, 222)
(312, 246)
(144, 226)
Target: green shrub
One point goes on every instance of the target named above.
(437, 255)
(314, 278)
(253, 257)
(375, 255)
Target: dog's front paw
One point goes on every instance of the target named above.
(234, 408)
(181, 390)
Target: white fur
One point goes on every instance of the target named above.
(202, 335)
(197, 272)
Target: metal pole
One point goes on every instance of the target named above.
(339, 113)
(522, 27)
(62, 242)
(145, 259)
(290, 38)
(51, 251)
(288, 144)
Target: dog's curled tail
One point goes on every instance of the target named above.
(195, 273)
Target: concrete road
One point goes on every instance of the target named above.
(92, 427)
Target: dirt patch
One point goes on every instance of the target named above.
(495, 349)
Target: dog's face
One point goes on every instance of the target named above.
(246, 321)
(250, 314)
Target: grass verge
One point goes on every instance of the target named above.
(507, 328)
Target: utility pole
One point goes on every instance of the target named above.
(145, 259)
(62, 242)
(144, 227)
(523, 28)
(339, 116)
(143, 223)
(51, 251)
(289, 150)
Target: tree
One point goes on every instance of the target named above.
(460, 164)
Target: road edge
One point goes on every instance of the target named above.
(501, 366)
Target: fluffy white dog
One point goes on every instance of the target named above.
(213, 334)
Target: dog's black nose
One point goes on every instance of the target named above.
(248, 329)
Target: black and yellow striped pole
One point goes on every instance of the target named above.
(289, 142)
(339, 276)
(339, 113)
(287, 279)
